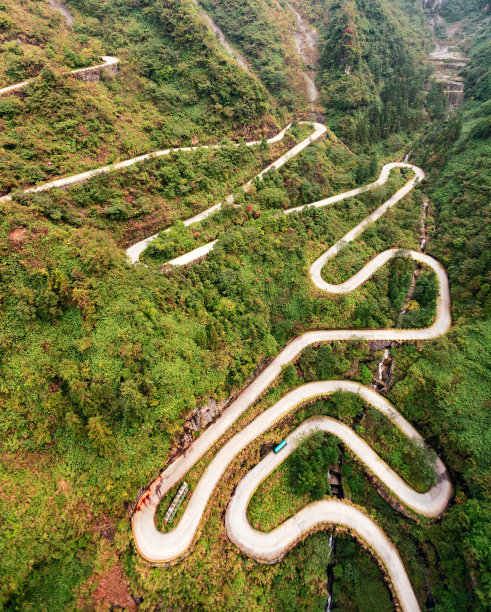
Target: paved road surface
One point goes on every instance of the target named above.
(202, 251)
(271, 547)
(137, 249)
(162, 547)
(159, 547)
(108, 61)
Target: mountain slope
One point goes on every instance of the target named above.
(163, 96)
(371, 68)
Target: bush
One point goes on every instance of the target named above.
(309, 464)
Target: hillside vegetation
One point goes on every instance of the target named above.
(165, 94)
(372, 70)
(102, 362)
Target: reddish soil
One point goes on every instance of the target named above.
(18, 236)
(113, 592)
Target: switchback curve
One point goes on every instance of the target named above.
(135, 250)
(169, 547)
(159, 547)
(165, 547)
(202, 251)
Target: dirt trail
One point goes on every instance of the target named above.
(63, 9)
(306, 39)
(216, 29)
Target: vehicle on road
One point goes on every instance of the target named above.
(279, 447)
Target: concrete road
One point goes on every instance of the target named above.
(158, 547)
(202, 251)
(108, 61)
(272, 546)
(137, 249)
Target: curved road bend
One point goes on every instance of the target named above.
(202, 251)
(107, 59)
(272, 546)
(159, 547)
(135, 251)
(154, 545)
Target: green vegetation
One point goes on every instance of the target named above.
(461, 9)
(357, 584)
(413, 461)
(101, 362)
(129, 203)
(371, 69)
(457, 156)
(164, 95)
(309, 465)
(259, 29)
(274, 501)
(33, 36)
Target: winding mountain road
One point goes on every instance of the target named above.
(160, 547)
(271, 547)
(136, 250)
(168, 547)
(108, 62)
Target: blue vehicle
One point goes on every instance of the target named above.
(279, 447)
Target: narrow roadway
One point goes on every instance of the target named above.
(136, 250)
(271, 547)
(159, 547)
(108, 61)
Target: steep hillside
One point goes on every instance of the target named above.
(163, 96)
(263, 32)
(109, 370)
(34, 35)
(372, 71)
(456, 152)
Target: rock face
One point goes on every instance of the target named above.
(95, 74)
(201, 417)
(456, 95)
(432, 5)
(306, 39)
(63, 9)
(222, 39)
(448, 62)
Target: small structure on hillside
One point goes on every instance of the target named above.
(176, 502)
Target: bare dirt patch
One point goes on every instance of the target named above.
(113, 592)
(18, 236)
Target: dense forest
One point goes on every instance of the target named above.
(371, 69)
(103, 362)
